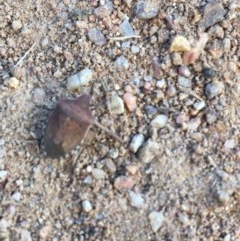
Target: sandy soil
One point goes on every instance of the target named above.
(183, 182)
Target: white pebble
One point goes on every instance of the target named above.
(161, 83)
(87, 206)
(115, 105)
(148, 152)
(229, 144)
(121, 62)
(135, 49)
(16, 196)
(26, 235)
(16, 25)
(98, 173)
(199, 105)
(136, 199)
(79, 79)
(136, 142)
(3, 175)
(156, 220)
(159, 122)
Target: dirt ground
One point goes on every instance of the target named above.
(180, 179)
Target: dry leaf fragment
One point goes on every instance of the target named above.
(68, 125)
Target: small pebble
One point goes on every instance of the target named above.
(123, 182)
(81, 78)
(25, 235)
(88, 180)
(184, 82)
(38, 96)
(98, 173)
(12, 82)
(136, 199)
(159, 122)
(176, 59)
(16, 196)
(96, 36)
(226, 43)
(113, 153)
(199, 105)
(230, 144)
(209, 72)
(121, 62)
(194, 123)
(149, 151)
(156, 66)
(156, 219)
(3, 175)
(104, 10)
(180, 44)
(135, 49)
(146, 9)
(189, 57)
(16, 25)
(115, 105)
(213, 13)
(136, 142)
(87, 206)
(150, 111)
(130, 101)
(211, 116)
(126, 44)
(161, 83)
(214, 89)
(109, 165)
(126, 28)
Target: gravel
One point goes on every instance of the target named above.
(186, 171)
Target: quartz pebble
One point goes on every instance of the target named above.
(156, 219)
(130, 101)
(135, 49)
(12, 82)
(98, 173)
(81, 78)
(16, 196)
(3, 175)
(180, 44)
(25, 235)
(121, 62)
(96, 36)
(146, 9)
(136, 142)
(184, 71)
(123, 182)
(214, 89)
(115, 105)
(87, 206)
(16, 25)
(148, 152)
(159, 122)
(199, 105)
(126, 28)
(136, 200)
(213, 12)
